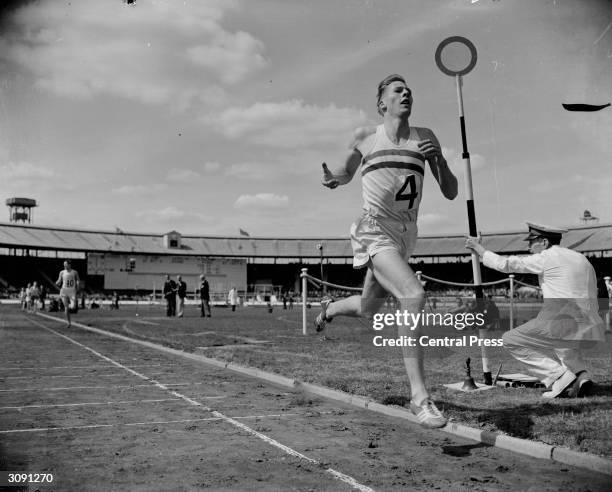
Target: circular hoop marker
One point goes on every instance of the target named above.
(456, 56)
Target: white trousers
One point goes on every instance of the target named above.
(547, 358)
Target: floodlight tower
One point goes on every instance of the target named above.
(20, 209)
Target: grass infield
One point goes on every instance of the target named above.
(349, 362)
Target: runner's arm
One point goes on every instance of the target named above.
(430, 148)
(344, 173)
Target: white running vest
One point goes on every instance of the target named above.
(392, 176)
(69, 279)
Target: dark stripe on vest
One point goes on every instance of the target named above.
(395, 165)
(406, 153)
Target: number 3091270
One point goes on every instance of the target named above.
(29, 478)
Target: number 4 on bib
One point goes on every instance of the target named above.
(412, 193)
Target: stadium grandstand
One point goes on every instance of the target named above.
(132, 263)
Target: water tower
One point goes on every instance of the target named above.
(20, 209)
(588, 218)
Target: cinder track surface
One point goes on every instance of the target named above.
(104, 414)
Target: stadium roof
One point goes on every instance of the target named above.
(586, 239)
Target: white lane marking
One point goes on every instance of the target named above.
(17, 368)
(67, 388)
(84, 404)
(142, 321)
(94, 375)
(130, 424)
(292, 452)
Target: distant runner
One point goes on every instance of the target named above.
(68, 282)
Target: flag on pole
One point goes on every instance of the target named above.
(244, 233)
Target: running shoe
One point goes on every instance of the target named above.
(321, 320)
(428, 414)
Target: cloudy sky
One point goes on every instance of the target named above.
(212, 115)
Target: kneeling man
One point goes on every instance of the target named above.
(551, 344)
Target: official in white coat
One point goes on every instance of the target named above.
(551, 344)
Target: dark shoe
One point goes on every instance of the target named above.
(581, 387)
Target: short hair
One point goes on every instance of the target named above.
(383, 85)
(68, 261)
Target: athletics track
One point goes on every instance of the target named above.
(105, 414)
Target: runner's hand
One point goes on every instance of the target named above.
(329, 180)
(429, 149)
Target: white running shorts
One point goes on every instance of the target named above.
(371, 235)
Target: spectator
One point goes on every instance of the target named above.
(54, 305)
(34, 296)
(170, 296)
(232, 298)
(604, 293)
(459, 307)
(115, 301)
(204, 296)
(491, 314)
(23, 299)
(43, 296)
(28, 298)
(181, 293)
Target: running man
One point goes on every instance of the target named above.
(392, 157)
(68, 282)
(34, 297)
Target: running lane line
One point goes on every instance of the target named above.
(85, 404)
(292, 452)
(132, 424)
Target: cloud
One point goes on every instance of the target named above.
(232, 58)
(455, 161)
(140, 190)
(284, 165)
(25, 178)
(25, 171)
(262, 202)
(433, 219)
(287, 124)
(182, 175)
(159, 52)
(211, 166)
(171, 217)
(252, 171)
